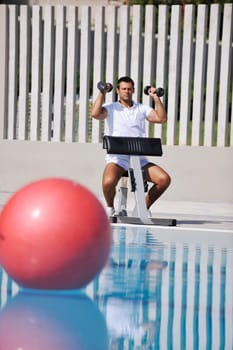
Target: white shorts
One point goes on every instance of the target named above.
(124, 160)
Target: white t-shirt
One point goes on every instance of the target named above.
(128, 122)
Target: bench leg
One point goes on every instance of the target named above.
(140, 209)
(123, 194)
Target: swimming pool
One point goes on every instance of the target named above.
(162, 288)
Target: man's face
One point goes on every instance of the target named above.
(125, 91)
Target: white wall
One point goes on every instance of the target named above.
(198, 173)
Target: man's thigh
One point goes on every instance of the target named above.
(154, 172)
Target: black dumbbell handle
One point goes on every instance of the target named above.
(159, 91)
(102, 85)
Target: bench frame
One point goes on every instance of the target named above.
(135, 147)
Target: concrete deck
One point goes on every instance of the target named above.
(216, 216)
(199, 215)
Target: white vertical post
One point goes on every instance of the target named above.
(58, 122)
(149, 50)
(225, 78)
(36, 73)
(174, 74)
(186, 75)
(98, 73)
(199, 74)
(23, 72)
(84, 73)
(136, 47)
(124, 22)
(111, 50)
(71, 73)
(4, 38)
(48, 56)
(13, 71)
(161, 59)
(212, 71)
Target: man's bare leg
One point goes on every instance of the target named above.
(111, 176)
(161, 180)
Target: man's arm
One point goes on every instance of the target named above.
(159, 114)
(98, 111)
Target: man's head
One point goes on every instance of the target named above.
(125, 80)
(125, 89)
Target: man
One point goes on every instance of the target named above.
(127, 118)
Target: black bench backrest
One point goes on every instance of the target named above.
(144, 146)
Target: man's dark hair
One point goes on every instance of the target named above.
(125, 80)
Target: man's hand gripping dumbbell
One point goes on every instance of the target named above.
(150, 90)
(104, 87)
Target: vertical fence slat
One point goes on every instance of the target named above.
(48, 55)
(111, 47)
(98, 63)
(84, 73)
(186, 74)
(4, 37)
(124, 23)
(12, 78)
(212, 71)
(136, 47)
(35, 73)
(149, 52)
(199, 75)
(71, 73)
(225, 77)
(149, 47)
(173, 74)
(23, 73)
(111, 50)
(58, 121)
(161, 59)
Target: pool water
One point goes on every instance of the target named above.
(162, 288)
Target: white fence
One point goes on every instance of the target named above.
(52, 58)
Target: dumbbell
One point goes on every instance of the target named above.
(104, 87)
(159, 91)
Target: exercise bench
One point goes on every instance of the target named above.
(135, 147)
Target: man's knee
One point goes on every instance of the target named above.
(109, 182)
(164, 180)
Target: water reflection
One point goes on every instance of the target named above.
(168, 294)
(48, 322)
(157, 292)
(134, 268)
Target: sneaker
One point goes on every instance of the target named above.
(110, 211)
(123, 212)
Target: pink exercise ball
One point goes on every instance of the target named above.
(54, 234)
